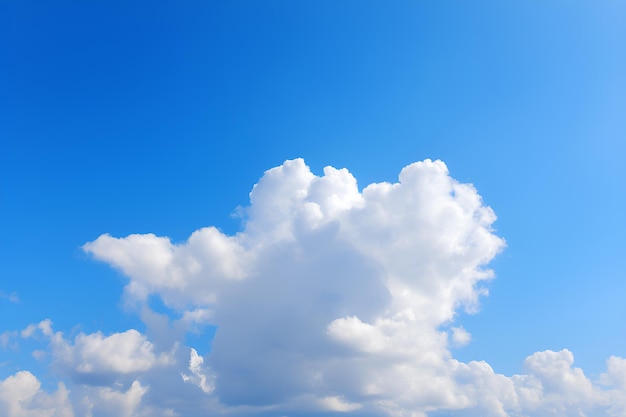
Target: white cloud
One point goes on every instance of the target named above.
(616, 372)
(5, 338)
(332, 298)
(127, 352)
(200, 376)
(45, 326)
(553, 386)
(12, 296)
(181, 275)
(110, 402)
(460, 336)
(615, 380)
(338, 404)
(21, 396)
(123, 353)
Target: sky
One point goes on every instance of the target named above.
(312, 208)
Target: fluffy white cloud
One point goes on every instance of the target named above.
(21, 396)
(127, 352)
(181, 275)
(97, 356)
(327, 288)
(335, 299)
(460, 336)
(615, 380)
(112, 402)
(616, 372)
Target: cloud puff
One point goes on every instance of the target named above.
(21, 396)
(191, 273)
(93, 357)
(333, 299)
(120, 353)
(5, 338)
(45, 326)
(12, 297)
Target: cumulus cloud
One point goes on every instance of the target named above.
(107, 401)
(97, 356)
(21, 396)
(328, 289)
(102, 373)
(190, 273)
(331, 299)
(126, 352)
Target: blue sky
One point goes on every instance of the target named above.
(159, 118)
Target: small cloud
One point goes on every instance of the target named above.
(39, 354)
(45, 326)
(28, 331)
(338, 404)
(12, 297)
(5, 338)
(200, 375)
(460, 336)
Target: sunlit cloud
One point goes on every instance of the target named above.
(331, 299)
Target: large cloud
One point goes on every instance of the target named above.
(330, 299)
(327, 288)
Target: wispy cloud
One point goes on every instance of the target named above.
(12, 297)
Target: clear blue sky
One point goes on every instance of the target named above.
(159, 117)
